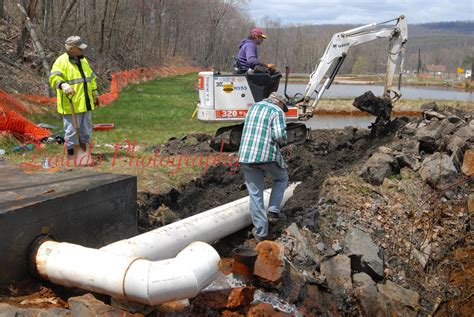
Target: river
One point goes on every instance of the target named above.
(408, 92)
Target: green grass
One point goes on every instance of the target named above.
(149, 113)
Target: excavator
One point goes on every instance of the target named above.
(227, 98)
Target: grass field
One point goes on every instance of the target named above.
(149, 114)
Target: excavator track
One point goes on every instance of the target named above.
(227, 139)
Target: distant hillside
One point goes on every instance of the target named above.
(447, 43)
(459, 27)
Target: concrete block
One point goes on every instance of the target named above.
(82, 207)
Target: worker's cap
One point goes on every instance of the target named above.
(257, 32)
(76, 41)
(282, 99)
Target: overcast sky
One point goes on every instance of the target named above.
(361, 11)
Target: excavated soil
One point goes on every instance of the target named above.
(331, 197)
(328, 152)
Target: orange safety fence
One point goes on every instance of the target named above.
(120, 80)
(10, 108)
(13, 122)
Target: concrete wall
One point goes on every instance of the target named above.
(91, 210)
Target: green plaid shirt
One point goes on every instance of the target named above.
(263, 134)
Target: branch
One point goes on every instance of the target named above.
(65, 15)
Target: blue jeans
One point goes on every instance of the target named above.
(84, 125)
(255, 180)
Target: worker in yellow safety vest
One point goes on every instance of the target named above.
(75, 84)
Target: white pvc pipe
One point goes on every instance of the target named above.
(208, 226)
(125, 269)
(132, 278)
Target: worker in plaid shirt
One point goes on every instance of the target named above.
(259, 154)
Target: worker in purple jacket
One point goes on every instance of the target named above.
(248, 56)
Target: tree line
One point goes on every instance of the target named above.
(130, 33)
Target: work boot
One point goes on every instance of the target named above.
(257, 237)
(275, 216)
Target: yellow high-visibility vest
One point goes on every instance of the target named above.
(77, 73)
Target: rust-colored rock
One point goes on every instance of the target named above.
(226, 265)
(88, 305)
(229, 313)
(468, 163)
(240, 296)
(224, 299)
(270, 263)
(265, 310)
(213, 300)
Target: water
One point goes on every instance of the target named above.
(338, 122)
(408, 92)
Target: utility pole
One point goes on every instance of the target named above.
(472, 68)
(419, 62)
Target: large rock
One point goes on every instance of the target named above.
(300, 249)
(240, 296)
(370, 301)
(379, 166)
(466, 132)
(317, 303)
(430, 136)
(456, 146)
(7, 310)
(400, 295)
(438, 171)
(292, 284)
(363, 253)
(88, 305)
(430, 132)
(468, 163)
(270, 263)
(338, 273)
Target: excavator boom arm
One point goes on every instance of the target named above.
(336, 52)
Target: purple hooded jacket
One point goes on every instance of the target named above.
(247, 56)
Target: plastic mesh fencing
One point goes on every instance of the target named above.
(122, 79)
(13, 122)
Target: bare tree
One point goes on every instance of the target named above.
(65, 15)
(102, 27)
(2, 10)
